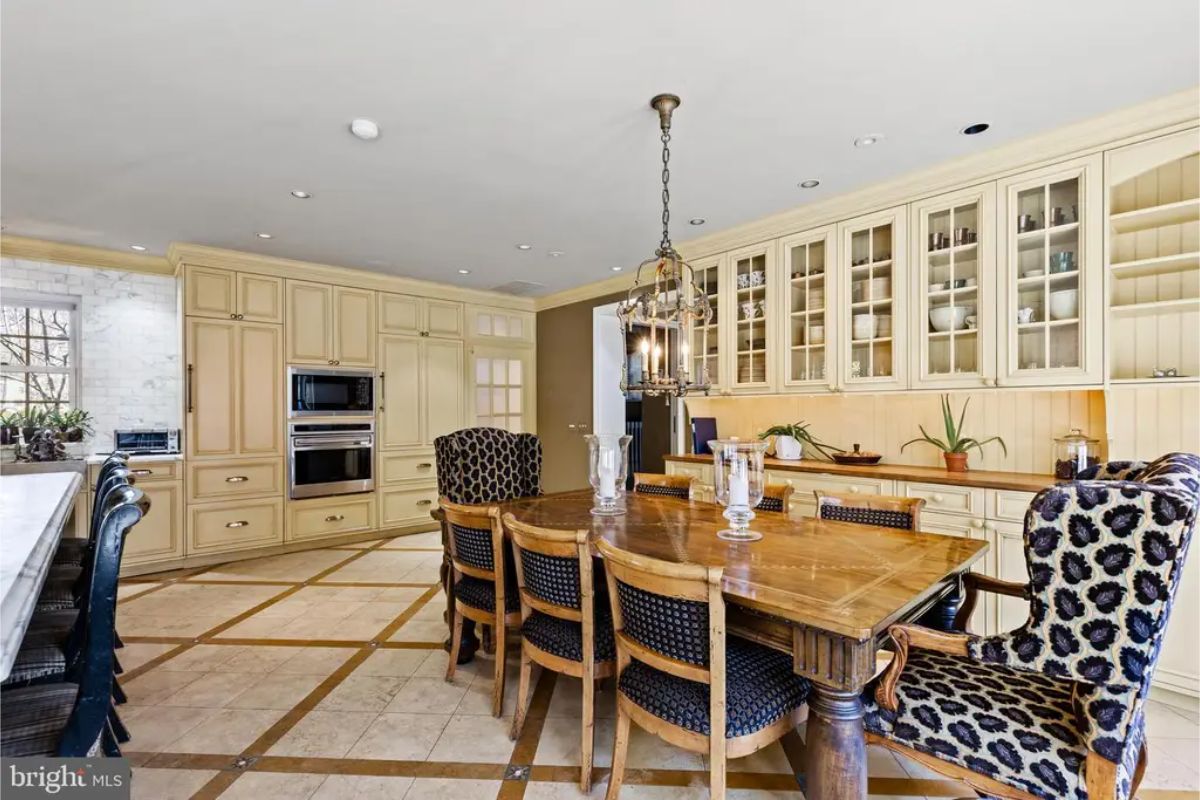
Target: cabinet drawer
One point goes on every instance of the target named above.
(804, 484)
(313, 519)
(403, 467)
(226, 480)
(1008, 505)
(406, 506)
(143, 470)
(159, 535)
(944, 498)
(235, 526)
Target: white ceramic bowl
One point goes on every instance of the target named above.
(865, 326)
(816, 334)
(883, 325)
(948, 318)
(881, 288)
(1064, 304)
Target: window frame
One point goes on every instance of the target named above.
(70, 303)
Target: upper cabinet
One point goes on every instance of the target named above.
(500, 325)
(332, 325)
(750, 318)
(222, 294)
(807, 355)
(1153, 297)
(953, 331)
(705, 347)
(419, 316)
(422, 385)
(872, 301)
(1051, 275)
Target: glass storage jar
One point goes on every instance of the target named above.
(1074, 453)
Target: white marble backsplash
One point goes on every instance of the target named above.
(130, 342)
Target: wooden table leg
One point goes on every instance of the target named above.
(835, 747)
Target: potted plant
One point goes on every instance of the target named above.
(956, 446)
(9, 422)
(32, 421)
(73, 424)
(790, 441)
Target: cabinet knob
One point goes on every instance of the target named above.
(853, 490)
(241, 523)
(236, 479)
(937, 498)
(989, 526)
(424, 502)
(976, 523)
(335, 518)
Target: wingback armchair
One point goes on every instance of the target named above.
(1056, 708)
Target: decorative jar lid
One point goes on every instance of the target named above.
(1076, 436)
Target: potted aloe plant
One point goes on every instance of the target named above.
(956, 446)
(790, 440)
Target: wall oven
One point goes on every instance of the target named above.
(317, 392)
(330, 458)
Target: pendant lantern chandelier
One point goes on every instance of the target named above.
(666, 302)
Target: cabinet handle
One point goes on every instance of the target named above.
(335, 518)
(233, 316)
(424, 502)
(337, 362)
(989, 526)
(424, 466)
(190, 408)
(241, 316)
(241, 523)
(236, 479)
(141, 472)
(382, 389)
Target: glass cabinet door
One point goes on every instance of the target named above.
(954, 323)
(872, 301)
(706, 342)
(1053, 275)
(808, 354)
(751, 317)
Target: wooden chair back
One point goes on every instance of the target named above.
(879, 510)
(476, 541)
(776, 497)
(669, 485)
(554, 572)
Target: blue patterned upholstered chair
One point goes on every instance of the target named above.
(776, 497)
(675, 666)
(566, 621)
(485, 583)
(1056, 708)
(666, 485)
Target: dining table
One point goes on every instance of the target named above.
(34, 510)
(824, 592)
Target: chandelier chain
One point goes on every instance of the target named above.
(665, 244)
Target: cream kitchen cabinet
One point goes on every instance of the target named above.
(706, 349)
(501, 325)
(501, 386)
(330, 516)
(402, 506)
(159, 535)
(421, 390)
(807, 321)
(332, 325)
(234, 389)
(983, 619)
(238, 525)
(223, 294)
(420, 316)
(211, 481)
(748, 326)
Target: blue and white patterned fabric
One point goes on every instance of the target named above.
(761, 688)
(488, 465)
(1105, 557)
(670, 626)
(564, 638)
(682, 492)
(481, 594)
(473, 546)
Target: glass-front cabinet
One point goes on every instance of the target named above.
(872, 301)
(750, 318)
(807, 286)
(1052, 276)
(705, 347)
(953, 319)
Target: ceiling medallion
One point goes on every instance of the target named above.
(667, 302)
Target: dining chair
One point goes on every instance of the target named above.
(1055, 708)
(74, 717)
(485, 583)
(566, 621)
(776, 497)
(681, 677)
(670, 485)
(878, 510)
(73, 550)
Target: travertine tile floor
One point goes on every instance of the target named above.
(319, 675)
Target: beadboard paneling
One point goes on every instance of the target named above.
(1028, 421)
(1146, 421)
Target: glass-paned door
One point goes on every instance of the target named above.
(500, 380)
(751, 313)
(1052, 288)
(706, 341)
(808, 327)
(873, 300)
(954, 323)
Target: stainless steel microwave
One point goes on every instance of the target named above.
(318, 392)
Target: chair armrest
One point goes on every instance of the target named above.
(973, 584)
(906, 636)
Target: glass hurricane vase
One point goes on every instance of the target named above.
(739, 478)
(608, 464)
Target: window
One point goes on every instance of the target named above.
(498, 392)
(38, 351)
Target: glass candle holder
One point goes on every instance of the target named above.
(608, 464)
(739, 478)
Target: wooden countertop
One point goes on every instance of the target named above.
(983, 479)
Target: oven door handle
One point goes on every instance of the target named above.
(328, 445)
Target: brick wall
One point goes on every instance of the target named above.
(130, 342)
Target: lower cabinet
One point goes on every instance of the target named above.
(159, 535)
(403, 505)
(396, 467)
(238, 525)
(328, 516)
(210, 481)
(1009, 544)
(983, 620)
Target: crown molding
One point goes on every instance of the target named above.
(1160, 117)
(82, 255)
(199, 255)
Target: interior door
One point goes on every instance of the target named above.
(400, 389)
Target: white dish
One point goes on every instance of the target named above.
(816, 334)
(1033, 273)
(1064, 304)
(883, 324)
(948, 318)
(865, 326)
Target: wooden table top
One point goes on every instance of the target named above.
(983, 479)
(854, 580)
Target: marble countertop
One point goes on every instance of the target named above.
(33, 510)
(98, 458)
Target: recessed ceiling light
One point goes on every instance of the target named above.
(464, 272)
(555, 253)
(868, 140)
(365, 129)
(696, 221)
(524, 247)
(300, 195)
(137, 247)
(617, 269)
(811, 183)
(978, 127)
(264, 236)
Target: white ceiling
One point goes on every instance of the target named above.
(143, 121)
